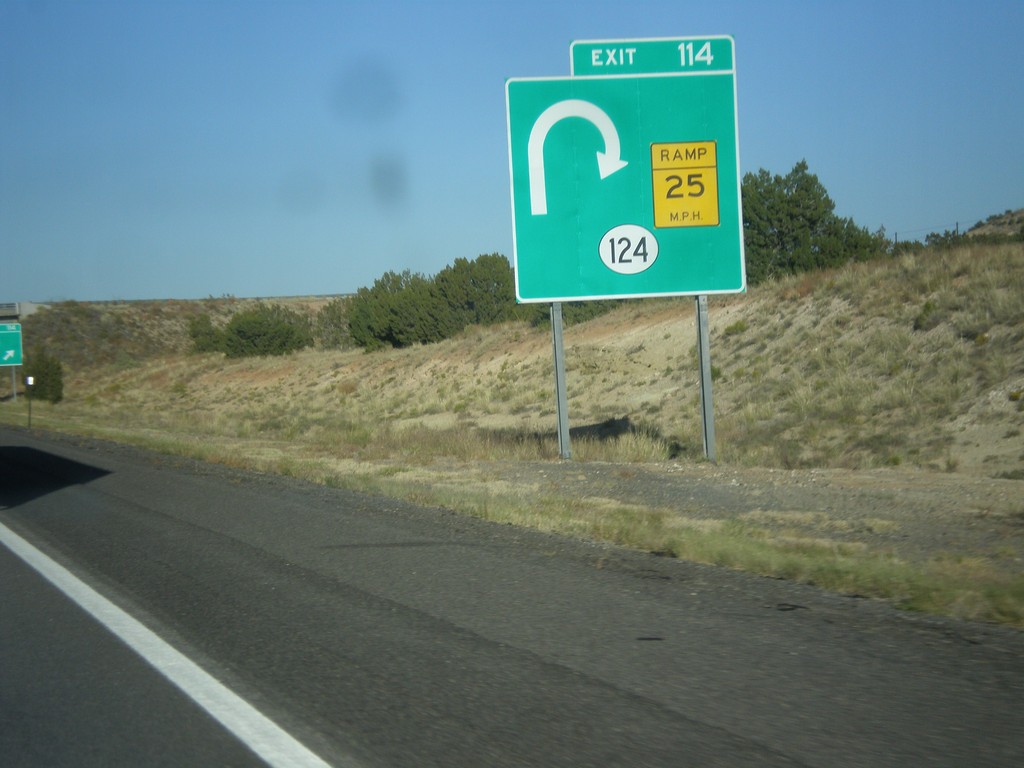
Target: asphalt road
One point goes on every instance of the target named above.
(375, 632)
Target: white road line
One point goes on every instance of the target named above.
(254, 729)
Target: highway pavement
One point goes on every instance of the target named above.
(160, 611)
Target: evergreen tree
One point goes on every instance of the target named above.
(790, 226)
(332, 325)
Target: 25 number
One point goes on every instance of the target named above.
(694, 185)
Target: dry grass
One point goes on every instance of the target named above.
(908, 362)
(916, 362)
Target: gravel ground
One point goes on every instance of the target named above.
(916, 515)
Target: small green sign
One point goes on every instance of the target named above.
(10, 344)
(626, 186)
(679, 55)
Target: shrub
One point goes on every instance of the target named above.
(47, 376)
(735, 329)
(205, 338)
(407, 308)
(266, 329)
(400, 309)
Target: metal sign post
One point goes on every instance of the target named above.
(29, 381)
(704, 353)
(561, 398)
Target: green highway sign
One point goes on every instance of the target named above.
(626, 184)
(10, 344)
(680, 55)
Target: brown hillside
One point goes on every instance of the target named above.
(917, 361)
(1008, 224)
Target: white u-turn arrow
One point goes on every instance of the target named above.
(608, 162)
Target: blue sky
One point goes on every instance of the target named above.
(192, 149)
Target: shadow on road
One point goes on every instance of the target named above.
(27, 473)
